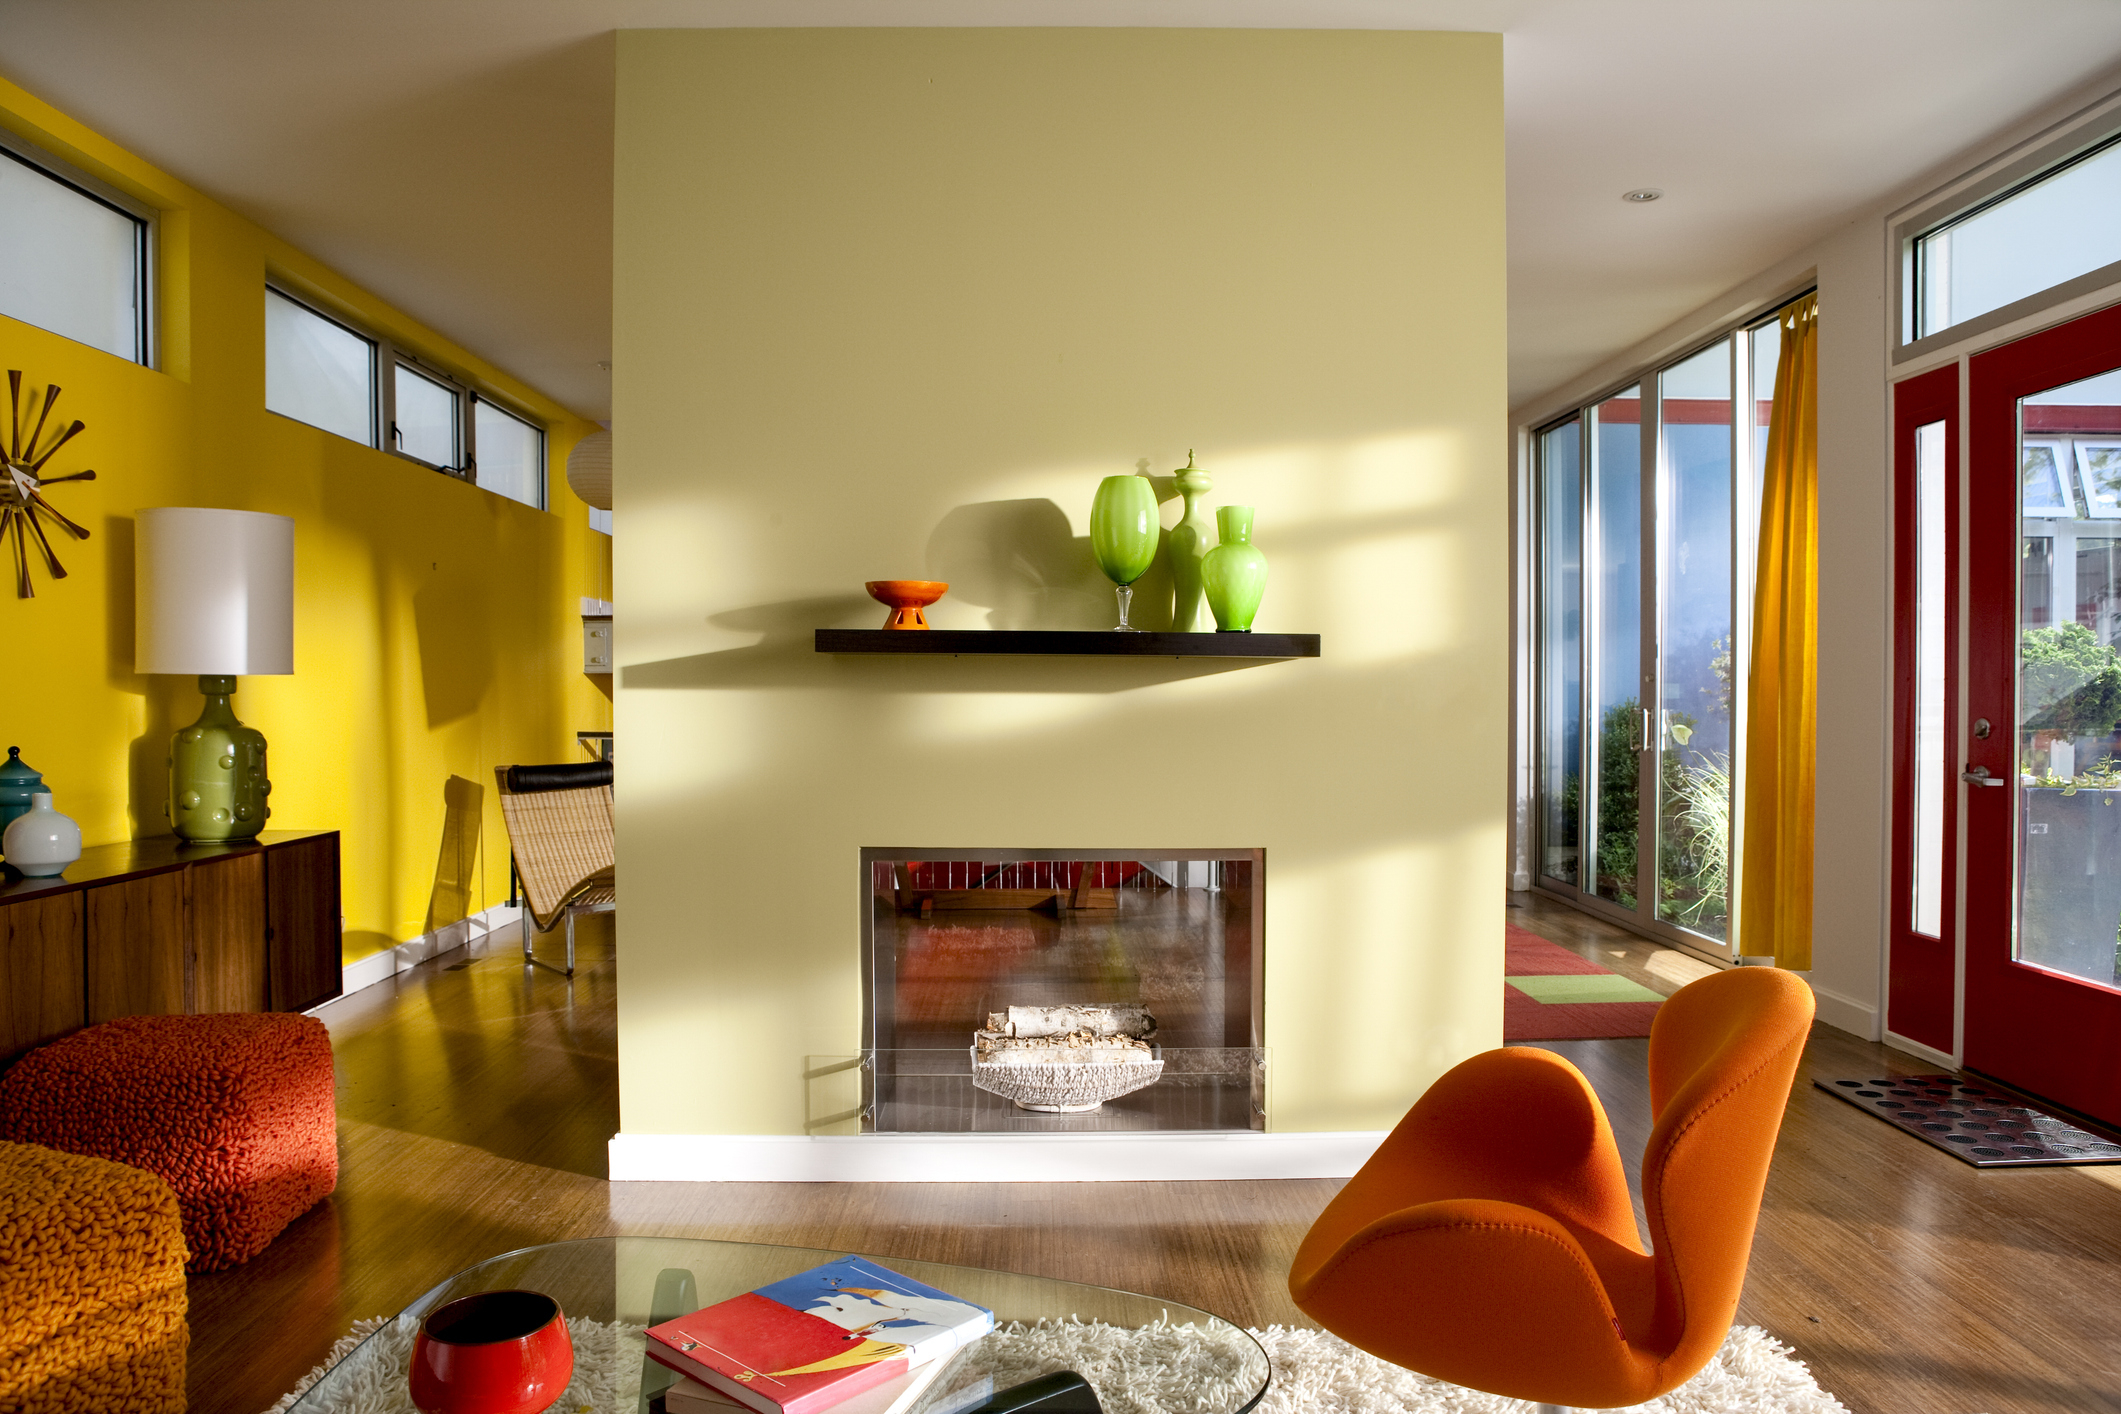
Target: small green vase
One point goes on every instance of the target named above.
(217, 784)
(1235, 573)
(1187, 546)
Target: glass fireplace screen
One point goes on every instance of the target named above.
(1057, 991)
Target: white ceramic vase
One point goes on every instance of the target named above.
(41, 842)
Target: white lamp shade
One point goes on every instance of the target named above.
(589, 469)
(213, 592)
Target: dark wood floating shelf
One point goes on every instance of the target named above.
(1077, 641)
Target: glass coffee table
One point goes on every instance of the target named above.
(1175, 1357)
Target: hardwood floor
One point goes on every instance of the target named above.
(475, 1099)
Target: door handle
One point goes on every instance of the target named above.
(1979, 776)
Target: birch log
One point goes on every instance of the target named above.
(1123, 1020)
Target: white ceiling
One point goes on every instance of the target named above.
(454, 156)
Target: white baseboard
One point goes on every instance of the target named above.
(1921, 1052)
(376, 967)
(984, 1158)
(382, 966)
(1848, 1014)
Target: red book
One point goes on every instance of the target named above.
(804, 1344)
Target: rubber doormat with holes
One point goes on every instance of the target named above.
(1970, 1121)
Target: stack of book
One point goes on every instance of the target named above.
(849, 1336)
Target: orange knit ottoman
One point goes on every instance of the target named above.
(91, 1286)
(234, 1110)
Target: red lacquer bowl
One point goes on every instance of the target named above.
(907, 597)
(498, 1352)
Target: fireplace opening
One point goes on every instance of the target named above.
(1061, 991)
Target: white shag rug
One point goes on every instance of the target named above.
(1161, 1369)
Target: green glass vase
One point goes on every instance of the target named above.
(1188, 544)
(217, 783)
(1234, 575)
(1123, 531)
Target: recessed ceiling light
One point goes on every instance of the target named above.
(1641, 195)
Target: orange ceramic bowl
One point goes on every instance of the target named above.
(906, 597)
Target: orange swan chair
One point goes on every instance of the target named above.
(1490, 1240)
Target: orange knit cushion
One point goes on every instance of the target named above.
(234, 1111)
(91, 1286)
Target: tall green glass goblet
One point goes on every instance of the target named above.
(1123, 528)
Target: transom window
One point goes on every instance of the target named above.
(74, 254)
(2062, 224)
(2041, 226)
(323, 371)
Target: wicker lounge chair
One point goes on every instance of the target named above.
(559, 829)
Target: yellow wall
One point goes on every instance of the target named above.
(888, 304)
(436, 628)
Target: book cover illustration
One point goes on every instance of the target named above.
(804, 1344)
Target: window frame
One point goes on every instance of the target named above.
(146, 221)
(474, 401)
(386, 357)
(462, 468)
(375, 356)
(2073, 140)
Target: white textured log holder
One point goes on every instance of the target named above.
(1068, 1059)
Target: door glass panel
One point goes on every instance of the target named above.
(1695, 674)
(2098, 581)
(1561, 649)
(1616, 636)
(1928, 843)
(2069, 681)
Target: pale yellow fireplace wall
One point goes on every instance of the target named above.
(888, 304)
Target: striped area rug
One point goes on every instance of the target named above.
(1552, 994)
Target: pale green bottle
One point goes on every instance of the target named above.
(217, 783)
(1188, 545)
(1235, 572)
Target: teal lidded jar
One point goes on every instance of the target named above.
(18, 782)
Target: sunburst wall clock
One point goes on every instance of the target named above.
(22, 488)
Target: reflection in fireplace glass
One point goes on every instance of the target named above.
(1055, 991)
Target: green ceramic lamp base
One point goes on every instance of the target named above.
(217, 781)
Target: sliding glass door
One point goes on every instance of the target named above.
(1695, 660)
(1615, 646)
(1560, 647)
(1644, 503)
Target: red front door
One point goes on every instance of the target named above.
(2042, 995)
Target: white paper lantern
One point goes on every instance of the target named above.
(589, 469)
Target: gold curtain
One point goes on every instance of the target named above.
(1782, 697)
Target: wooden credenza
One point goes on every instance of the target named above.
(158, 926)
